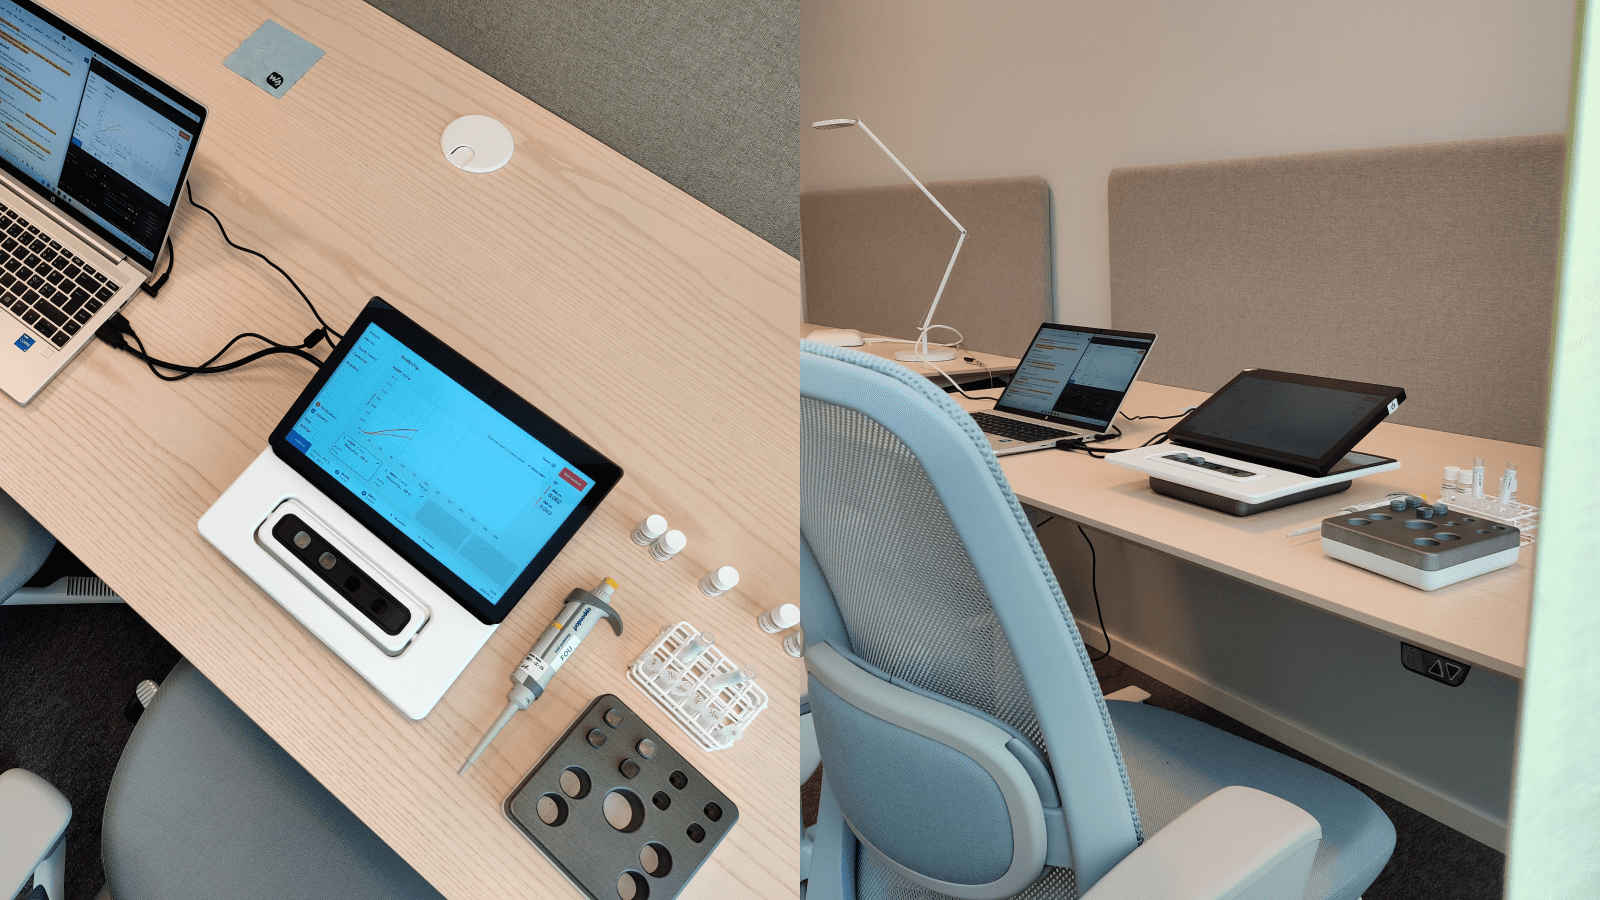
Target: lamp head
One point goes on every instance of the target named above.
(826, 124)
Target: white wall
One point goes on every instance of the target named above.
(1070, 89)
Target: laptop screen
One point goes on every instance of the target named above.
(470, 487)
(90, 132)
(1076, 376)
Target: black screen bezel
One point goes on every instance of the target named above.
(590, 462)
(1000, 405)
(168, 92)
(1184, 435)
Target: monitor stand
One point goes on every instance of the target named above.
(1235, 507)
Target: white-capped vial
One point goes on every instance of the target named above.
(668, 545)
(719, 580)
(1513, 475)
(1477, 478)
(779, 618)
(1447, 491)
(652, 527)
(1464, 487)
(795, 643)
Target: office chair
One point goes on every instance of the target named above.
(203, 803)
(24, 546)
(967, 750)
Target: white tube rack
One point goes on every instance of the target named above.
(738, 705)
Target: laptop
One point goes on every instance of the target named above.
(404, 505)
(93, 152)
(1070, 384)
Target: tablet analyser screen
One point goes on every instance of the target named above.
(466, 484)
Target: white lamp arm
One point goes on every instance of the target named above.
(863, 126)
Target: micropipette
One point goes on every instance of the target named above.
(577, 618)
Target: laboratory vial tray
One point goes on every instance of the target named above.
(731, 709)
(618, 810)
(1422, 551)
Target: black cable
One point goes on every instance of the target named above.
(1142, 418)
(1155, 440)
(1094, 585)
(154, 287)
(117, 329)
(1082, 443)
(337, 336)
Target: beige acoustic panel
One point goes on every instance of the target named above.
(873, 259)
(1428, 266)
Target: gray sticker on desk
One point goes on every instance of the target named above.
(274, 58)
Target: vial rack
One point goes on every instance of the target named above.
(739, 705)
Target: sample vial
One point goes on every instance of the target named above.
(794, 644)
(668, 545)
(1512, 473)
(779, 618)
(1477, 478)
(730, 679)
(719, 581)
(1464, 488)
(652, 527)
(1447, 491)
(727, 734)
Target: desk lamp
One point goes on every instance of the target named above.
(922, 353)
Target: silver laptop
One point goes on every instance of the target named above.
(93, 152)
(1070, 384)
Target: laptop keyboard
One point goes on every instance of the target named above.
(52, 290)
(1018, 431)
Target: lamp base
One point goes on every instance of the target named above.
(933, 354)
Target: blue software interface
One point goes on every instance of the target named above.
(89, 131)
(461, 480)
(1078, 377)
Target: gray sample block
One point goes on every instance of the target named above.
(1429, 544)
(612, 802)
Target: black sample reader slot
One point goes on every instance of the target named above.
(346, 579)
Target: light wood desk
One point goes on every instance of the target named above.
(573, 276)
(989, 364)
(1323, 674)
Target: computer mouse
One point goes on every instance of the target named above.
(838, 337)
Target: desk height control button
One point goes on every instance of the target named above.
(1431, 665)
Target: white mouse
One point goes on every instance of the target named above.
(838, 337)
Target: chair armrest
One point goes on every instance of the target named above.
(1237, 844)
(33, 818)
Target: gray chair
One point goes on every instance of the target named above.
(24, 546)
(967, 750)
(203, 804)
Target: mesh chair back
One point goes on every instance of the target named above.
(936, 578)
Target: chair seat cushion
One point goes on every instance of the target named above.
(205, 805)
(1174, 761)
